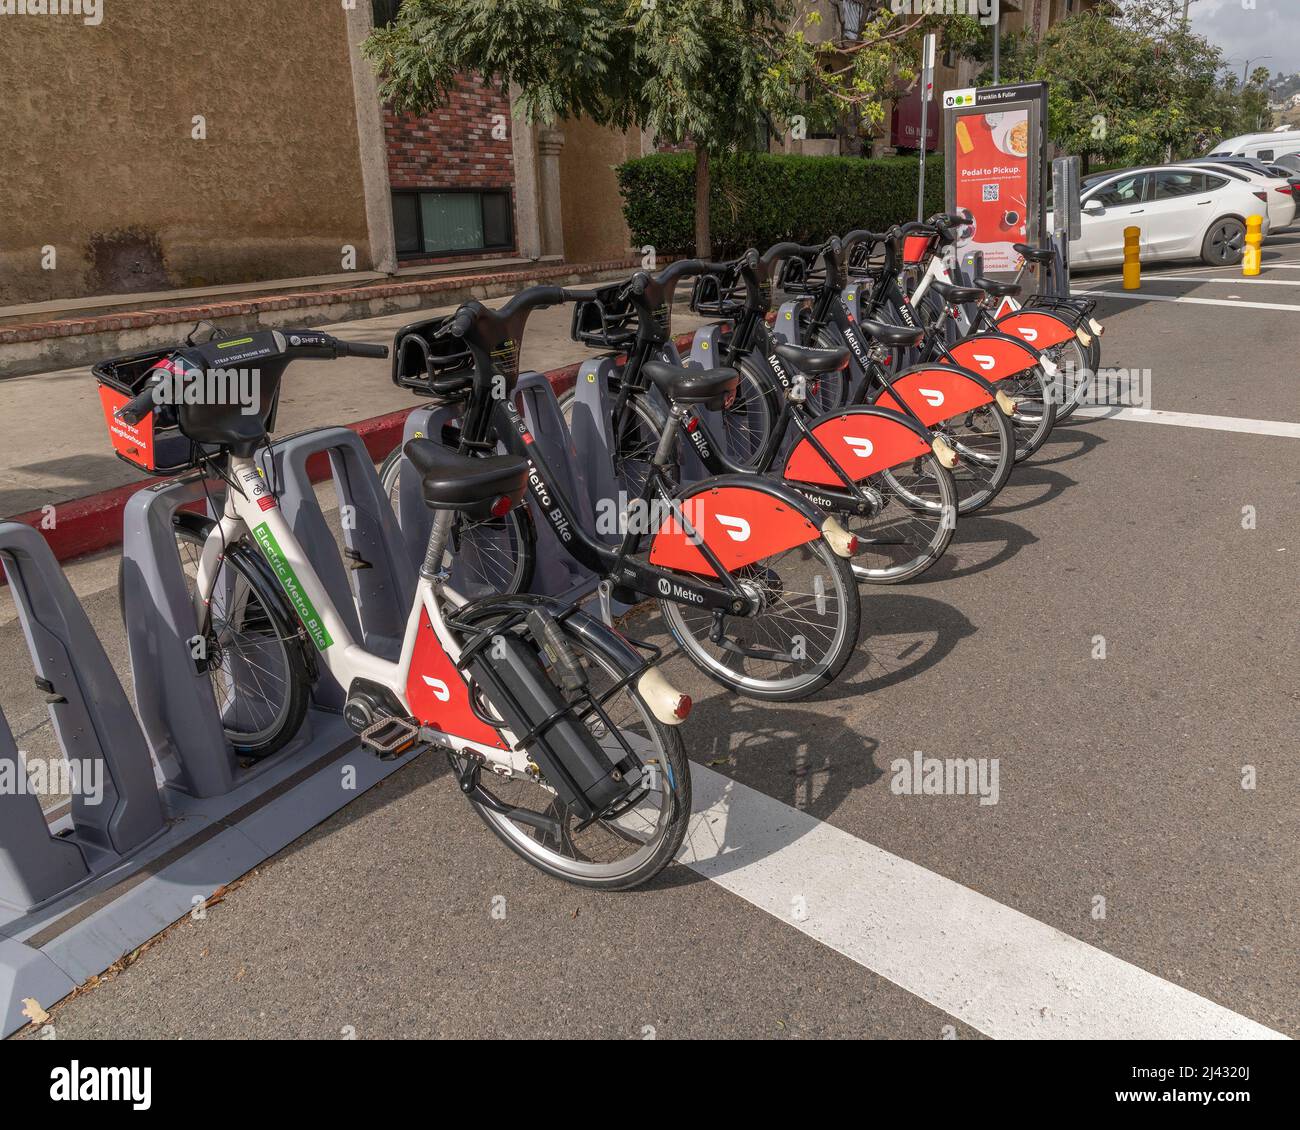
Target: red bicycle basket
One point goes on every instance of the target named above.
(914, 248)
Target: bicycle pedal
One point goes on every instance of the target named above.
(388, 736)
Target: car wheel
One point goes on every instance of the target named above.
(1224, 242)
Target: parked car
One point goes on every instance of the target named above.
(1264, 146)
(1281, 190)
(1183, 211)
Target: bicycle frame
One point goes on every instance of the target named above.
(425, 678)
(604, 560)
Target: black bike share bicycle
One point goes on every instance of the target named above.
(954, 404)
(878, 472)
(915, 254)
(753, 580)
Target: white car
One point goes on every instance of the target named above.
(1279, 199)
(1182, 211)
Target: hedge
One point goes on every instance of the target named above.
(758, 199)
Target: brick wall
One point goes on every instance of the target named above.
(452, 147)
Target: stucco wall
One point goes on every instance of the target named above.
(592, 209)
(98, 158)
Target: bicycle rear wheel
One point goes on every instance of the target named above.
(624, 848)
(486, 558)
(799, 641)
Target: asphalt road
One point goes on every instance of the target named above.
(853, 910)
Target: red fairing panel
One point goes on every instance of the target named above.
(740, 525)
(1042, 331)
(861, 443)
(936, 394)
(993, 358)
(438, 694)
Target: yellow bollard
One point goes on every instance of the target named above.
(1254, 237)
(1132, 265)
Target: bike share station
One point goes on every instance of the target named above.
(998, 172)
(181, 814)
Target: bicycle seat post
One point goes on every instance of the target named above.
(664, 453)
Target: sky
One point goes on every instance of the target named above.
(1245, 29)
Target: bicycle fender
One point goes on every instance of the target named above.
(1037, 328)
(937, 392)
(741, 518)
(995, 356)
(862, 440)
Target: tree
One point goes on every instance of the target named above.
(1130, 83)
(703, 72)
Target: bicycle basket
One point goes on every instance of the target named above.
(715, 296)
(429, 365)
(606, 321)
(801, 276)
(915, 248)
(155, 444)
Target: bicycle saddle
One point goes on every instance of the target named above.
(1034, 254)
(472, 485)
(886, 334)
(709, 387)
(804, 359)
(997, 289)
(957, 294)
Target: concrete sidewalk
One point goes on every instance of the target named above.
(57, 450)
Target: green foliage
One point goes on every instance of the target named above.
(758, 199)
(1131, 84)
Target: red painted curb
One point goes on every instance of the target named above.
(94, 522)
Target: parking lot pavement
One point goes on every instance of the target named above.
(1118, 631)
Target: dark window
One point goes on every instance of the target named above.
(385, 11)
(1177, 183)
(1264, 155)
(1125, 190)
(445, 222)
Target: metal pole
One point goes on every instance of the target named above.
(997, 44)
(927, 91)
(920, 191)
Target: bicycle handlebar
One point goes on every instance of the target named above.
(138, 407)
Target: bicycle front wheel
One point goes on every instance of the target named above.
(912, 529)
(985, 445)
(1035, 413)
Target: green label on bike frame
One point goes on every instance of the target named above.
(289, 580)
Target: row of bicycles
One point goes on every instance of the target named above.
(807, 446)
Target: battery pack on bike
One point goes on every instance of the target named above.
(547, 726)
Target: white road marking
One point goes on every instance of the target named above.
(1139, 296)
(1282, 428)
(998, 970)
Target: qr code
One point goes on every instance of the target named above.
(990, 193)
